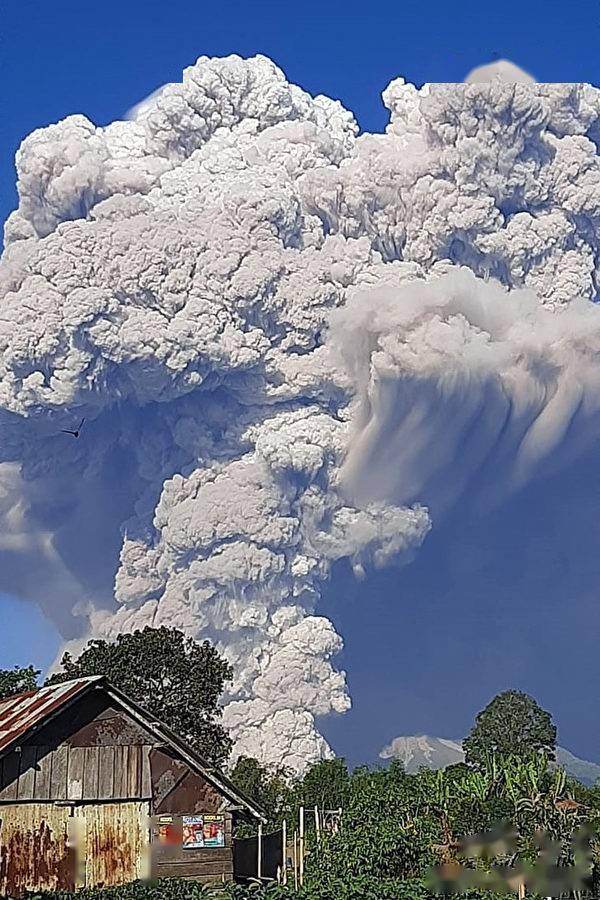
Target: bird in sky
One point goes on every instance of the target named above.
(74, 433)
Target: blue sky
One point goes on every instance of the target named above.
(72, 57)
(430, 668)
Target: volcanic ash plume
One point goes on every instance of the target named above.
(268, 322)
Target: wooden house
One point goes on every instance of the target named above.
(94, 791)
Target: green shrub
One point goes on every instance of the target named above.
(350, 888)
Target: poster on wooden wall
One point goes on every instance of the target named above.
(167, 832)
(203, 831)
(193, 832)
(214, 831)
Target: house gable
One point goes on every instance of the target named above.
(102, 746)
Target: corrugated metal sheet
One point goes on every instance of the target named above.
(20, 714)
(45, 847)
(34, 849)
(116, 843)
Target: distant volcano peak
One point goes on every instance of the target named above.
(423, 751)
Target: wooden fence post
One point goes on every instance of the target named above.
(259, 852)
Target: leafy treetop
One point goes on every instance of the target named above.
(171, 676)
(511, 725)
(17, 681)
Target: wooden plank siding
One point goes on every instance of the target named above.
(26, 787)
(9, 777)
(59, 769)
(204, 870)
(106, 774)
(43, 774)
(75, 769)
(91, 768)
(179, 792)
(76, 774)
(120, 779)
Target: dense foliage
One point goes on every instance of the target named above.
(173, 677)
(396, 828)
(511, 725)
(17, 681)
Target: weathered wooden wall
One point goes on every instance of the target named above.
(92, 752)
(175, 789)
(202, 864)
(93, 722)
(76, 774)
(179, 792)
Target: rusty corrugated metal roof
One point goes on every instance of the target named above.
(20, 714)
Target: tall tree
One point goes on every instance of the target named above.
(172, 677)
(17, 681)
(269, 787)
(326, 784)
(511, 725)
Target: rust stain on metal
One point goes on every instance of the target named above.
(116, 837)
(44, 847)
(34, 850)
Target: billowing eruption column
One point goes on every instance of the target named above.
(292, 345)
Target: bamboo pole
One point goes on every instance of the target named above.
(301, 846)
(295, 860)
(317, 825)
(284, 833)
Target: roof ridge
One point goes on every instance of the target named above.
(81, 680)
